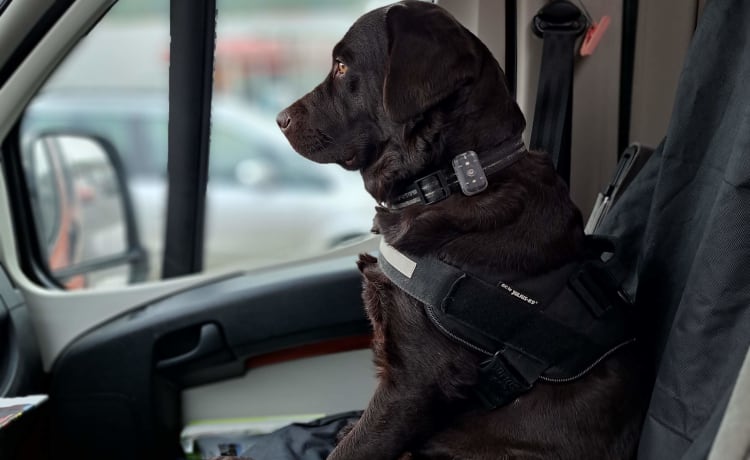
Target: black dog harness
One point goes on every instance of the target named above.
(554, 327)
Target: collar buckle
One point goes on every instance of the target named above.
(433, 188)
(466, 174)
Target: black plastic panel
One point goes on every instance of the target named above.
(20, 374)
(20, 362)
(110, 400)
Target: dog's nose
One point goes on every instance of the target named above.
(283, 120)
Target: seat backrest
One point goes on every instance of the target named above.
(685, 221)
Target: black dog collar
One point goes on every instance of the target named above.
(468, 175)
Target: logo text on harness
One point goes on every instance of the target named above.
(517, 294)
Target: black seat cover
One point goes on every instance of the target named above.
(686, 220)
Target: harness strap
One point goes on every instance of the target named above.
(554, 334)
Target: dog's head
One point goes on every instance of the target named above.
(409, 88)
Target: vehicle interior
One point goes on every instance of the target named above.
(171, 294)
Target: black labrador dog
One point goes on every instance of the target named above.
(409, 89)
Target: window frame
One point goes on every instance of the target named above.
(192, 47)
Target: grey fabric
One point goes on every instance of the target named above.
(301, 441)
(628, 216)
(687, 222)
(733, 439)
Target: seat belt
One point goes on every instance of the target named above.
(559, 24)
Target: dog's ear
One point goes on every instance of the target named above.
(430, 55)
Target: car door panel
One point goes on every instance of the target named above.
(20, 364)
(202, 335)
(300, 388)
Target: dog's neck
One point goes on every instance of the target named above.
(468, 173)
(428, 144)
(524, 222)
(479, 117)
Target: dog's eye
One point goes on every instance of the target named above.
(339, 69)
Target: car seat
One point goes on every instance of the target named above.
(685, 220)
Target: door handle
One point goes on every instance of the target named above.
(210, 341)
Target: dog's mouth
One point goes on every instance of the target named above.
(351, 163)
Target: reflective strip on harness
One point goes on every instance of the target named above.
(397, 259)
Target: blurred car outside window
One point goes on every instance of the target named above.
(265, 204)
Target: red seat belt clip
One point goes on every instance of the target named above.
(593, 36)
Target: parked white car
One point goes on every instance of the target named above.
(265, 204)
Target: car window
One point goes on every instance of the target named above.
(123, 130)
(230, 149)
(110, 86)
(233, 146)
(265, 204)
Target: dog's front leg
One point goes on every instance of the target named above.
(392, 422)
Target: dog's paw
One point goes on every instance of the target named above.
(366, 260)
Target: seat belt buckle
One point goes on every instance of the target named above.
(499, 383)
(559, 17)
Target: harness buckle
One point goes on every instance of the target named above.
(499, 382)
(433, 188)
(595, 286)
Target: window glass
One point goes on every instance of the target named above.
(265, 203)
(114, 86)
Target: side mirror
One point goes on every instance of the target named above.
(83, 215)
